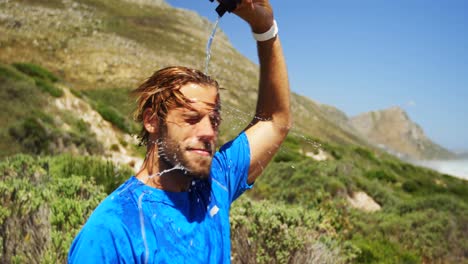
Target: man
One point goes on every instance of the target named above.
(176, 209)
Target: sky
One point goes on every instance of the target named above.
(365, 55)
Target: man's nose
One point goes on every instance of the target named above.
(205, 129)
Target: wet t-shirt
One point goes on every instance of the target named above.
(141, 224)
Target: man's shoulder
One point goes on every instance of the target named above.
(110, 230)
(117, 206)
(239, 141)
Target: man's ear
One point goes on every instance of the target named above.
(150, 121)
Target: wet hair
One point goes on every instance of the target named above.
(161, 92)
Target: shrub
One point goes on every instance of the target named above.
(440, 202)
(381, 175)
(291, 142)
(114, 147)
(110, 114)
(48, 87)
(32, 136)
(382, 251)
(76, 93)
(104, 172)
(334, 150)
(8, 72)
(382, 194)
(36, 71)
(115, 106)
(410, 186)
(336, 154)
(287, 156)
(335, 187)
(266, 232)
(366, 154)
(40, 213)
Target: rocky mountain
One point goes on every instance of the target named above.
(103, 48)
(394, 131)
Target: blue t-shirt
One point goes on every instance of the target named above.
(140, 224)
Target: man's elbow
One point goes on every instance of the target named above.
(284, 124)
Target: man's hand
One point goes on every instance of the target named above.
(257, 13)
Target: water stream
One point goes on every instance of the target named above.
(176, 167)
(208, 45)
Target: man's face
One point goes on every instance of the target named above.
(189, 135)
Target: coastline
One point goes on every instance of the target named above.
(457, 168)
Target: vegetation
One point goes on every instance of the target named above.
(42, 77)
(32, 127)
(36, 71)
(298, 211)
(41, 211)
(272, 232)
(423, 216)
(114, 106)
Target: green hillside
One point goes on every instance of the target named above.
(90, 53)
(110, 45)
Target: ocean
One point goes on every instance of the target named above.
(457, 168)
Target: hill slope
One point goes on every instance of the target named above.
(106, 44)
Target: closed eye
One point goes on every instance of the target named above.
(192, 117)
(192, 120)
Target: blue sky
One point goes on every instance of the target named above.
(364, 55)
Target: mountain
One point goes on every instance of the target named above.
(101, 49)
(394, 131)
(462, 155)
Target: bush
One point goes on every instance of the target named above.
(32, 135)
(266, 232)
(8, 72)
(41, 213)
(36, 71)
(76, 93)
(381, 175)
(410, 186)
(382, 194)
(366, 154)
(115, 106)
(38, 135)
(287, 156)
(440, 202)
(110, 114)
(382, 251)
(105, 173)
(48, 87)
(291, 143)
(334, 150)
(335, 187)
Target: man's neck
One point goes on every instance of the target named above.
(165, 177)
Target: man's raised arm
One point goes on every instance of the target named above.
(272, 119)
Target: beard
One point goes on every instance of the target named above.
(181, 154)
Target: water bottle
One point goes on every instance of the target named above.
(226, 5)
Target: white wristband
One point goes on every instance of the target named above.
(271, 33)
